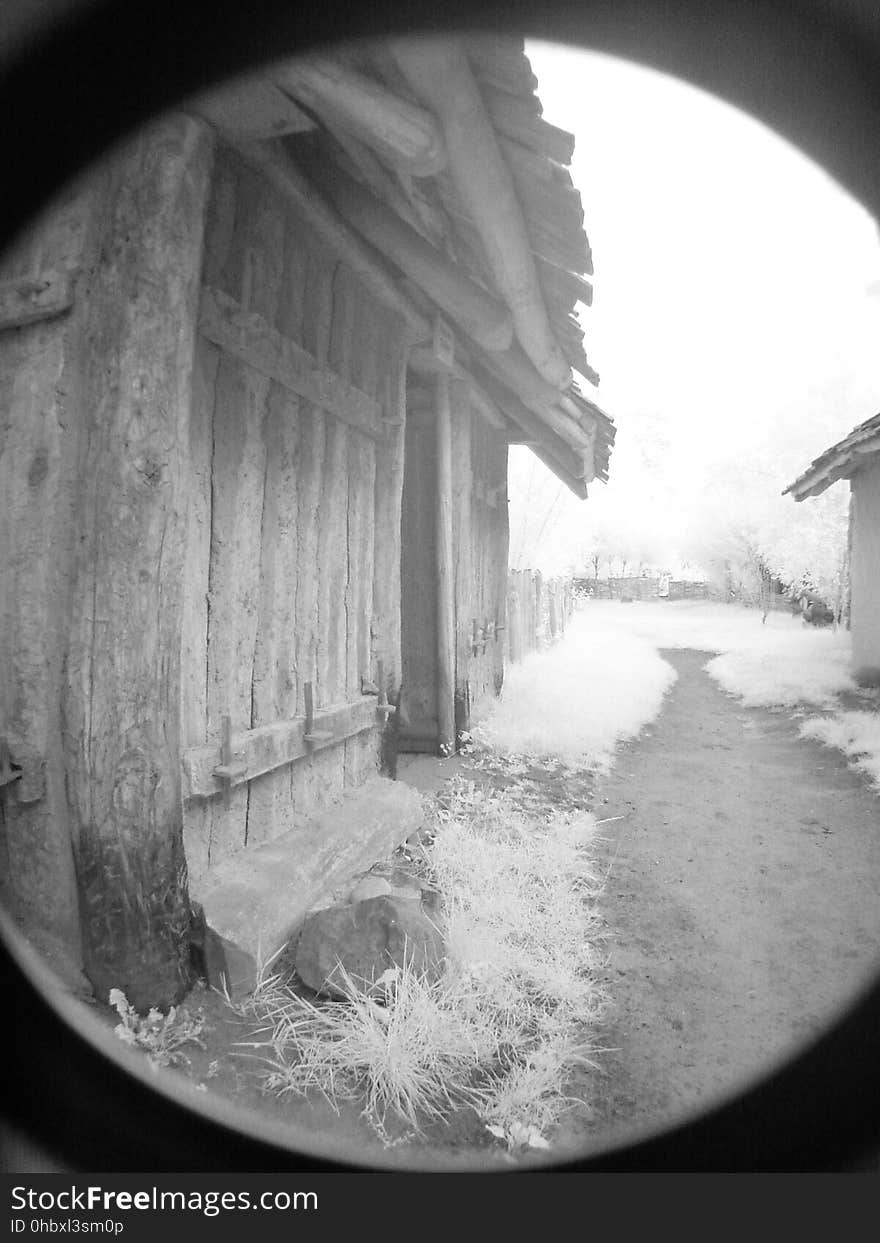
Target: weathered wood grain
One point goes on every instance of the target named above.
(122, 698)
(272, 747)
(445, 571)
(270, 802)
(251, 339)
(333, 550)
(463, 574)
(361, 752)
(238, 491)
(28, 299)
(194, 627)
(316, 327)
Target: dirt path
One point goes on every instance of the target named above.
(742, 901)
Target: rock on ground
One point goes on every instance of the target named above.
(367, 938)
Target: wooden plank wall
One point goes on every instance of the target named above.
(285, 500)
(40, 445)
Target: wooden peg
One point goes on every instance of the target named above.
(9, 772)
(383, 707)
(312, 735)
(230, 769)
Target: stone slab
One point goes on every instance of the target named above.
(258, 898)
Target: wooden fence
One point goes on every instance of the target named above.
(632, 587)
(538, 611)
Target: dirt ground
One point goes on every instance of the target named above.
(743, 868)
(742, 901)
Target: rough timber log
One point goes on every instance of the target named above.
(514, 370)
(403, 133)
(122, 697)
(438, 73)
(445, 573)
(480, 315)
(571, 465)
(463, 486)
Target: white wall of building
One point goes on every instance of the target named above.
(865, 615)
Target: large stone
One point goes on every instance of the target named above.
(367, 938)
(257, 899)
(369, 887)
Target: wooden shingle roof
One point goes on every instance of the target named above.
(841, 461)
(392, 175)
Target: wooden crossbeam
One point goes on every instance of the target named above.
(262, 750)
(250, 338)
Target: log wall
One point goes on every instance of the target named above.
(97, 415)
(295, 481)
(41, 439)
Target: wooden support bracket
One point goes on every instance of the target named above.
(311, 734)
(383, 707)
(9, 771)
(231, 769)
(28, 299)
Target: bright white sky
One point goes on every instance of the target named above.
(732, 288)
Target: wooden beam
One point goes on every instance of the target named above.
(249, 338)
(437, 71)
(569, 460)
(576, 485)
(255, 752)
(514, 370)
(426, 362)
(398, 130)
(463, 485)
(122, 688)
(28, 299)
(250, 108)
(445, 571)
(476, 311)
(273, 162)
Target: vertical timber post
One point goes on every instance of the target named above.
(122, 703)
(445, 572)
(463, 585)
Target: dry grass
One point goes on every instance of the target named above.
(513, 1012)
(856, 734)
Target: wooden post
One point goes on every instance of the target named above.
(122, 704)
(445, 573)
(462, 482)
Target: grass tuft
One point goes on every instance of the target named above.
(512, 1013)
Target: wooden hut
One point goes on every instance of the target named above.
(856, 458)
(258, 373)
